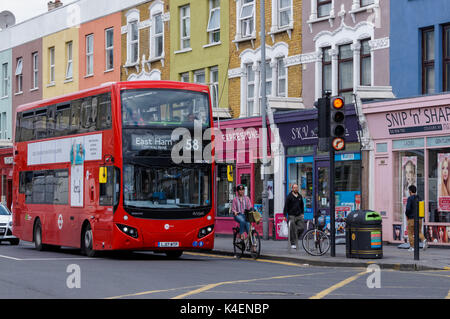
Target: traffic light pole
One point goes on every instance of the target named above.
(332, 204)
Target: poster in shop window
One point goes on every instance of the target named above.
(443, 182)
(409, 175)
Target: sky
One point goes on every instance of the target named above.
(26, 9)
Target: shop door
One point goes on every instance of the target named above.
(244, 177)
(300, 172)
(322, 187)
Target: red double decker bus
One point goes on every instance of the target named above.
(116, 167)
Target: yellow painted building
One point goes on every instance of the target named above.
(60, 63)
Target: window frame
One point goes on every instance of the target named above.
(35, 71)
(212, 32)
(109, 49)
(89, 54)
(248, 99)
(246, 19)
(214, 86)
(69, 59)
(361, 60)
(133, 43)
(321, 3)
(155, 36)
(185, 14)
(51, 55)
(344, 60)
(427, 64)
(362, 4)
(5, 80)
(445, 58)
(326, 63)
(19, 75)
(282, 10)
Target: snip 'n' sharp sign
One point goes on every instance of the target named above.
(418, 120)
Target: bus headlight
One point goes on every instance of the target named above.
(205, 231)
(130, 231)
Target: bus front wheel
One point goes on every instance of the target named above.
(87, 242)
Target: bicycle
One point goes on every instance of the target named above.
(251, 244)
(316, 241)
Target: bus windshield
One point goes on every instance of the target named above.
(164, 107)
(156, 187)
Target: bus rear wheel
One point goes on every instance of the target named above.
(37, 236)
(87, 242)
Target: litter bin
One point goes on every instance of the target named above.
(363, 234)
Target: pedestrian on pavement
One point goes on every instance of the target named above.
(412, 207)
(293, 210)
(241, 203)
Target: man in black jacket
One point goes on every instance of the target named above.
(411, 209)
(294, 210)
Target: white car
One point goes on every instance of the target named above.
(6, 226)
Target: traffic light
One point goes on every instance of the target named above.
(337, 123)
(323, 117)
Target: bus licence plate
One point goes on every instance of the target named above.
(168, 244)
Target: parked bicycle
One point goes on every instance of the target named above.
(316, 241)
(251, 244)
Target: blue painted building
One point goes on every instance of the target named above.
(420, 47)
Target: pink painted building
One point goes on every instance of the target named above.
(411, 145)
(99, 51)
(238, 161)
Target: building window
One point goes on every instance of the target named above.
(250, 89)
(185, 23)
(364, 3)
(158, 36)
(35, 76)
(281, 77)
(199, 77)
(109, 48)
(3, 128)
(133, 42)
(366, 63)
(89, 54)
(51, 54)
(214, 21)
(323, 8)
(19, 77)
(247, 18)
(326, 70)
(446, 58)
(428, 85)
(214, 79)
(69, 67)
(184, 77)
(5, 80)
(345, 72)
(284, 13)
(268, 80)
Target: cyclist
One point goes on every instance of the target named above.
(294, 210)
(240, 204)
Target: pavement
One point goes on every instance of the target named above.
(433, 258)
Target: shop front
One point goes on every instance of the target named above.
(6, 169)
(309, 168)
(238, 155)
(412, 147)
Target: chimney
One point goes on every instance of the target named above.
(53, 5)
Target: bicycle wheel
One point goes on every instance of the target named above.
(238, 244)
(316, 242)
(255, 248)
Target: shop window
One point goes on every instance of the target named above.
(348, 176)
(225, 189)
(439, 185)
(259, 187)
(409, 170)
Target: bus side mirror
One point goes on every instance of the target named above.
(102, 175)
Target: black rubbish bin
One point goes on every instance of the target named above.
(363, 234)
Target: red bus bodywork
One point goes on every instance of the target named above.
(62, 225)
